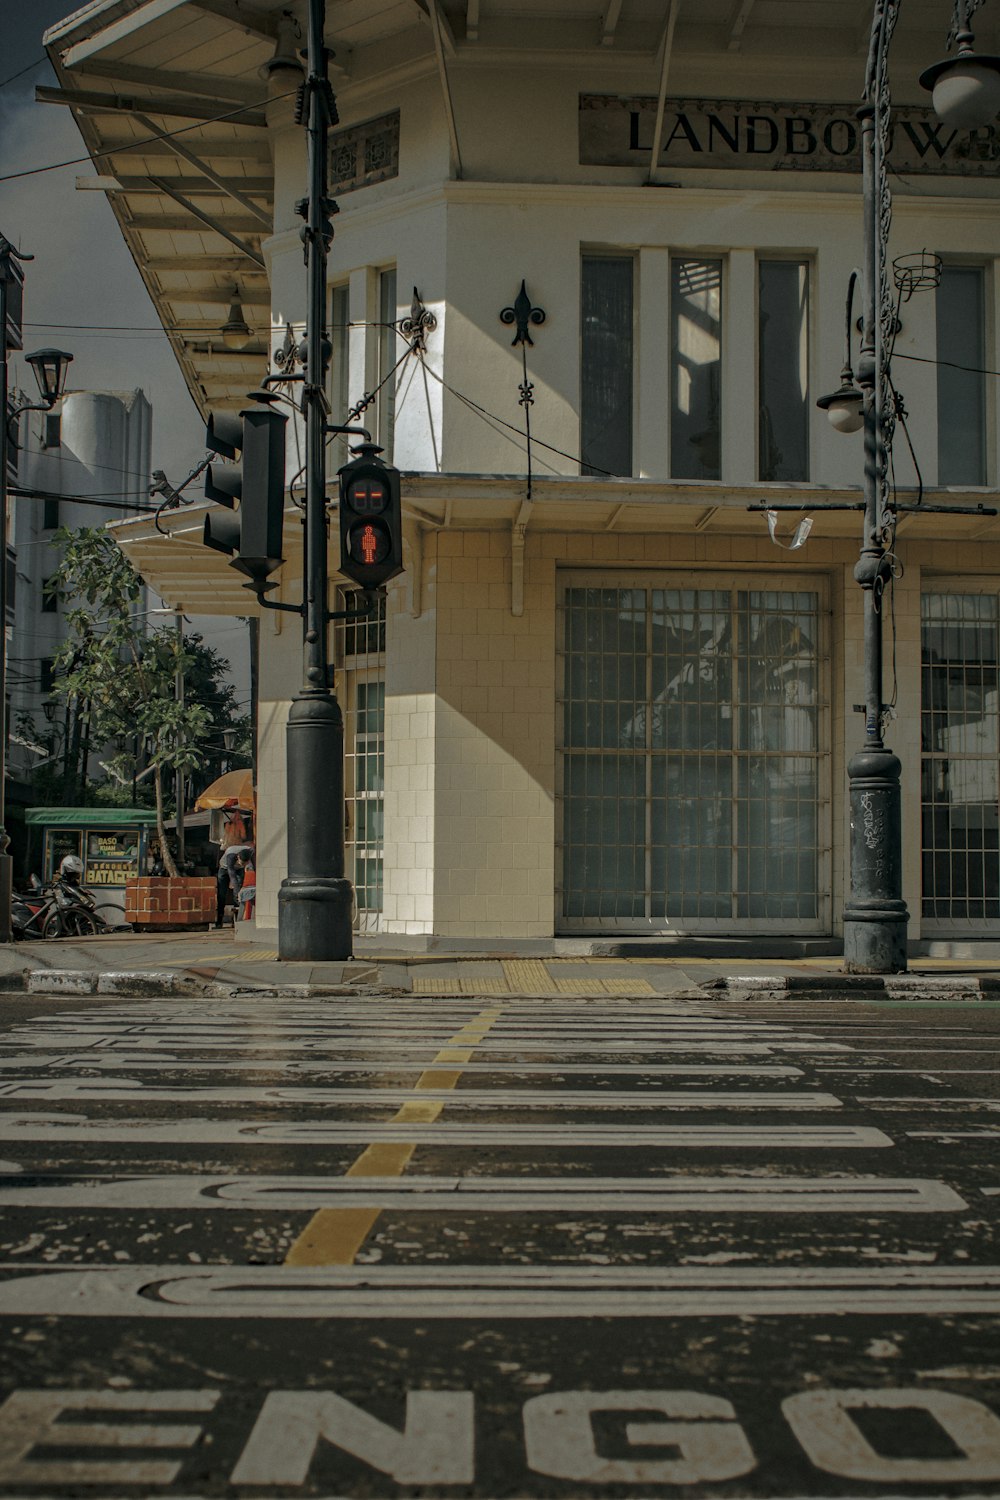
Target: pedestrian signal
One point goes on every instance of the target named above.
(371, 543)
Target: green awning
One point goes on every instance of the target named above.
(91, 817)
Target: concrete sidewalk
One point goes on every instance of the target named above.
(215, 964)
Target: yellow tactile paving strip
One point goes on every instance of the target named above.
(528, 976)
(334, 1236)
(531, 978)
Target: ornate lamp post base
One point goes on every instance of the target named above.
(875, 916)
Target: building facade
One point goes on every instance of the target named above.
(610, 695)
(79, 464)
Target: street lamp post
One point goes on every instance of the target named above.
(875, 915)
(315, 898)
(50, 367)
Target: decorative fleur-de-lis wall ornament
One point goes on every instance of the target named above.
(522, 313)
(419, 323)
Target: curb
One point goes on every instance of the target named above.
(166, 983)
(891, 986)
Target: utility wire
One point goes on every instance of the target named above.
(99, 500)
(146, 140)
(29, 69)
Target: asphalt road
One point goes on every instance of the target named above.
(499, 1248)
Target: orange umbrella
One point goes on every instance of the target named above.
(233, 790)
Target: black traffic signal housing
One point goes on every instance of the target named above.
(371, 527)
(246, 521)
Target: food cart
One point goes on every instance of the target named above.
(113, 843)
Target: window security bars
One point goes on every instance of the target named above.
(694, 764)
(960, 652)
(361, 651)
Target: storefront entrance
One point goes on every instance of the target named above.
(694, 756)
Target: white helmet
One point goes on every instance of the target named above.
(71, 865)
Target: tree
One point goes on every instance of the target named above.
(125, 674)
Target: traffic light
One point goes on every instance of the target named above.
(246, 522)
(371, 540)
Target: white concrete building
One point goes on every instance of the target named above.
(603, 701)
(79, 465)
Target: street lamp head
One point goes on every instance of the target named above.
(51, 367)
(236, 332)
(965, 89)
(844, 407)
(49, 710)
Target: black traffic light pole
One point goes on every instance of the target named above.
(315, 899)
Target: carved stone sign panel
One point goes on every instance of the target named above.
(617, 131)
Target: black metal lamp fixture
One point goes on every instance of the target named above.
(236, 332)
(845, 406)
(965, 89)
(51, 367)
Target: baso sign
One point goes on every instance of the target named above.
(618, 130)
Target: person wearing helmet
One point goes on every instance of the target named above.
(71, 869)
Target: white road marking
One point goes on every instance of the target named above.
(126, 1089)
(487, 1294)
(67, 1128)
(37, 1063)
(656, 1195)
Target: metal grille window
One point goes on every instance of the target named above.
(960, 652)
(692, 757)
(696, 369)
(362, 655)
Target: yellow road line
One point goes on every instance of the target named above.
(334, 1236)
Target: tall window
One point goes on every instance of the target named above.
(50, 596)
(783, 370)
(606, 360)
(692, 756)
(362, 653)
(390, 346)
(53, 430)
(961, 392)
(340, 397)
(960, 742)
(696, 369)
(50, 514)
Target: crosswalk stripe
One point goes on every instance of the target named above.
(486, 1294)
(795, 1136)
(441, 1086)
(523, 1099)
(369, 1189)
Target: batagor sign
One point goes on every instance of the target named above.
(617, 131)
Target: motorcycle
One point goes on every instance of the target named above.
(57, 910)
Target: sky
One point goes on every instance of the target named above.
(82, 291)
